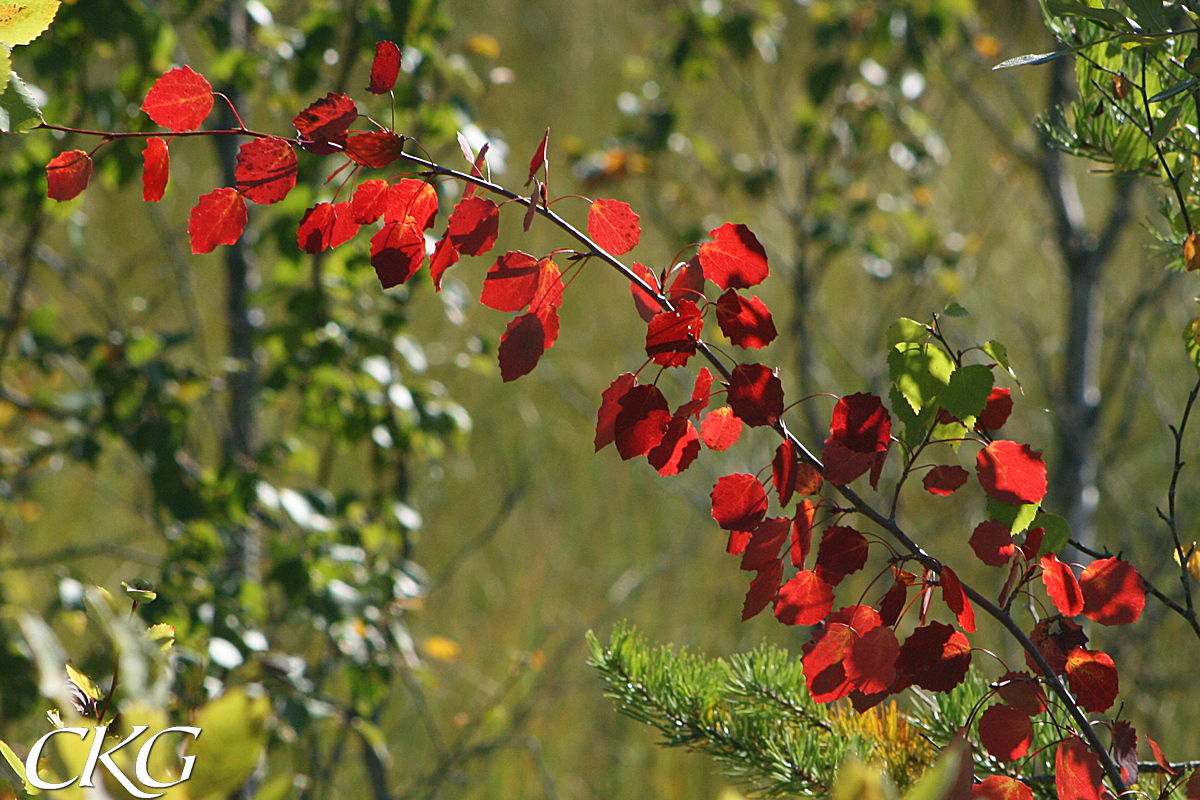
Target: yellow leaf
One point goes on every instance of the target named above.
(1191, 252)
(1193, 560)
(22, 21)
(85, 684)
(439, 648)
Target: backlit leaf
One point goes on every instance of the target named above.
(266, 169)
(610, 406)
(646, 305)
(1033, 58)
(375, 149)
(385, 68)
(326, 120)
(755, 395)
(671, 336)
(891, 606)
(19, 112)
(219, 218)
(945, 480)
(824, 663)
(935, 657)
(235, 728)
(397, 252)
(473, 226)
(1113, 592)
(739, 501)
(1005, 732)
(687, 282)
(843, 551)
(1062, 586)
(180, 100)
(511, 282)
(521, 346)
(734, 259)
(1124, 750)
(156, 169)
(68, 174)
(802, 523)
(859, 437)
(678, 449)
(1077, 772)
(642, 422)
(539, 157)
(871, 660)
(806, 599)
(1055, 638)
(1023, 692)
(368, 201)
(1011, 473)
(956, 600)
(1001, 787)
(410, 197)
(22, 21)
(745, 321)
(967, 393)
(783, 470)
(993, 543)
(995, 412)
(613, 225)
(763, 589)
(766, 540)
(445, 255)
(720, 429)
(326, 225)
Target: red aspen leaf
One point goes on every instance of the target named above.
(860, 618)
(687, 282)
(1033, 543)
(802, 524)
(871, 660)
(476, 165)
(511, 282)
(808, 479)
(763, 589)
(935, 657)
(642, 422)
(613, 225)
(1159, 757)
(1011, 473)
(859, 436)
(957, 601)
(892, 604)
(720, 429)
(369, 200)
(324, 121)
(521, 346)
(765, 542)
(445, 256)
(539, 157)
(1092, 676)
(610, 406)
(397, 252)
(1001, 787)
(68, 174)
(824, 663)
(843, 551)
(156, 169)
(671, 336)
(473, 226)
(734, 259)
(411, 198)
(1077, 772)
(739, 501)
(385, 68)
(738, 541)
(995, 412)
(678, 449)
(324, 226)
(180, 100)
(219, 218)
(804, 600)
(701, 393)
(375, 149)
(1005, 732)
(1023, 692)
(647, 306)
(1192, 790)
(548, 314)
(945, 480)
(783, 470)
(1062, 586)
(266, 169)
(755, 395)
(1056, 644)
(993, 543)
(1113, 592)
(745, 321)
(1124, 750)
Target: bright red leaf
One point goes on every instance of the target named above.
(1023, 692)
(935, 657)
(1077, 772)
(473, 226)
(739, 501)
(701, 392)
(445, 256)
(720, 429)
(1092, 676)
(945, 480)
(766, 540)
(1005, 732)
(375, 149)
(1000, 787)
(642, 422)
(859, 436)
(687, 282)
(156, 169)
(266, 169)
(763, 589)
(385, 68)
(397, 252)
(646, 305)
(1011, 473)
(326, 225)
(1113, 592)
(1055, 644)
(755, 395)
(613, 225)
(871, 660)
(824, 663)
(843, 551)
(219, 218)
(180, 100)
(326, 121)
(1062, 586)
(511, 282)
(993, 543)
(671, 336)
(678, 449)
(804, 600)
(369, 200)
(802, 524)
(68, 174)
(734, 259)
(957, 601)
(745, 321)
(610, 406)
(521, 346)
(411, 198)
(995, 412)
(1160, 758)
(784, 469)
(539, 157)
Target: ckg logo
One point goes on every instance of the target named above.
(141, 767)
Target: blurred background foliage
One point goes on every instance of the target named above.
(327, 485)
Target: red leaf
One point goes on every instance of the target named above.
(1001, 787)
(511, 282)
(1023, 692)
(871, 660)
(180, 100)
(935, 657)
(892, 604)
(1077, 772)
(397, 252)
(765, 542)
(1161, 759)
(1192, 790)
(156, 169)
(610, 406)
(326, 120)
(445, 256)
(860, 618)
(859, 436)
(1113, 592)
(521, 345)
(763, 588)
(324, 226)
(1092, 676)
(995, 412)
(642, 422)
(385, 68)
(671, 336)
(68, 174)
(802, 524)
(945, 480)
(368, 201)
(804, 600)
(783, 470)
(734, 259)
(1124, 750)
(701, 393)
(1055, 645)
(687, 282)
(473, 226)
(266, 170)
(739, 502)
(993, 543)
(646, 305)
(824, 663)
(1062, 586)
(678, 449)
(1011, 473)
(957, 601)
(613, 225)
(1005, 732)
(411, 198)
(755, 395)
(738, 541)
(720, 429)
(1032, 543)
(539, 157)
(219, 218)
(375, 149)
(843, 551)
(745, 321)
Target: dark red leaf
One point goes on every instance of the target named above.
(1023, 692)
(445, 256)
(892, 604)
(802, 524)
(156, 169)
(266, 170)
(411, 198)
(678, 449)
(804, 600)
(993, 543)
(763, 589)
(646, 305)
(766, 540)
(739, 501)
(701, 393)
(871, 660)
(180, 100)
(521, 346)
(473, 226)
(1001, 787)
(1056, 644)
(68, 174)
(397, 252)
(824, 663)
(1124, 750)
(324, 226)
(956, 600)
(385, 68)
(720, 429)
(1092, 676)
(935, 657)
(610, 406)
(783, 470)
(687, 282)
(1062, 586)
(1033, 543)
(745, 321)
(1113, 592)
(375, 149)
(755, 395)
(945, 480)
(672, 335)
(219, 218)
(843, 551)
(1077, 772)
(734, 259)
(613, 225)
(326, 120)
(539, 157)
(1011, 473)
(642, 422)
(369, 200)
(995, 412)
(859, 436)
(1005, 732)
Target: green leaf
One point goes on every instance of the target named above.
(1032, 59)
(1058, 532)
(1182, 86)
(999, 354)
(906, 330)
(1164, 124)
(955, 310)
(5, 67)
(1191, 340)
(1017, 518)
(140, 590)
(1131, 149)
(915, 425)
(19, 111)
(968, 392)
(1149, 14)
(235, 731)
(921, 372)
(1107, 17)
(858, 781)
(942, 779)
